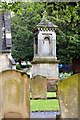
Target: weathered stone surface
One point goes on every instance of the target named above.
(79, 96)
(68, 96)
(50, 71)
(4, 62)
(14, 94)
(39, 87)
(51, 85)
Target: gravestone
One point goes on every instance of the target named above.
(79, 95)
(14, 94)
(39, 87)
(68, 96)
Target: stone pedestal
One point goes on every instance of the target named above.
(46, 66)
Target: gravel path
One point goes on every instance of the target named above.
(44, 114)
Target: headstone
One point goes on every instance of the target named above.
(79, 95)
(39, 87)
(68, 96)
(14, 94)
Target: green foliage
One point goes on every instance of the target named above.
(28, 66)
(64, 75)
(51, 94)
(67, 17)
(18, 66)
(28, 15)
(45, 105)
(22, 35)
(11, 6)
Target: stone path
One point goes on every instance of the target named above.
(50, 114)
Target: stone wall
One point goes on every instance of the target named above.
(68, 91)
(14, 94)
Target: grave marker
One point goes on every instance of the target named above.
(68, 96)
(14, 94)
(39, 87)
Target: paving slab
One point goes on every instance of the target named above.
(46, 115)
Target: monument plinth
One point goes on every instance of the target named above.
(45, 62)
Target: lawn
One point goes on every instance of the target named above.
(45, 105)
(51, 94)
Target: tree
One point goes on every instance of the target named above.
(22, 26)
(11, 6)
(65, 15)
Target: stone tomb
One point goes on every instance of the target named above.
(39, 87)
(14, 94)
(68, 90)
(45, 62)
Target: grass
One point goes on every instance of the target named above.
(49, 94)
(44, 105)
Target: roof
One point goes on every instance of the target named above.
(46, 23)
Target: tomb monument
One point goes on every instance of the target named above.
(45, 62)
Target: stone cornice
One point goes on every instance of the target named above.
(45, 60)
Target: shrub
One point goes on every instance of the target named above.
(18, 66)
